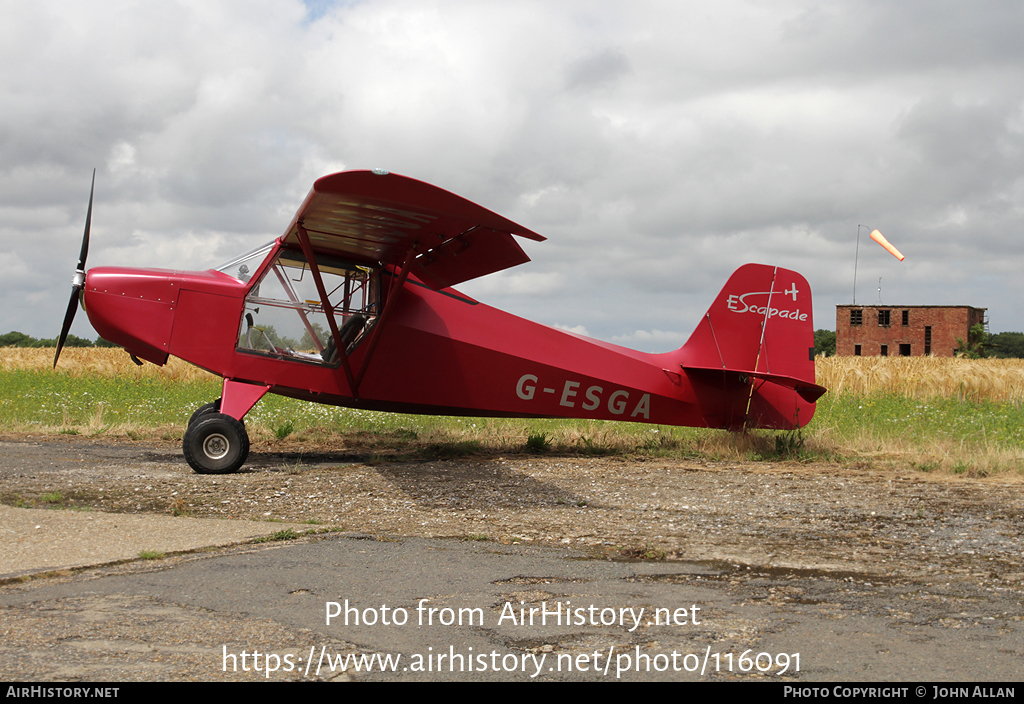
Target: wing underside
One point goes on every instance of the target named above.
(375, 216)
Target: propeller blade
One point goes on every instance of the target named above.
(88, 225)
(69, 317)
(79, 279)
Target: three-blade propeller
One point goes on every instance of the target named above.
(78, 281)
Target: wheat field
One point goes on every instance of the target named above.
(107, 362)
(995, 380)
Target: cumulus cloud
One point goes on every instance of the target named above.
(653, 340)
(575, 329)
(657, 146)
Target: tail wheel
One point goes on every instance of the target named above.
(215, 444)
(213, 407)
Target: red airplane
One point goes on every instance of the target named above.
(353, 306)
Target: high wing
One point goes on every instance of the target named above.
(380, 216)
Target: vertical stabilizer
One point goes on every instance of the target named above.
(751, 358)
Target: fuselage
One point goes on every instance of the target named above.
(440, 352)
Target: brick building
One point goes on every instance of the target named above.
(905, 331)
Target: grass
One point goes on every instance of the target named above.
(937, 416)
(537, 442)
(644, 552)
(178, 508)
(287, 534)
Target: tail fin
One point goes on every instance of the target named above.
(751, 359)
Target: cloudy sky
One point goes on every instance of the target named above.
(658, 145)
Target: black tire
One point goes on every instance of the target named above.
(216, 444)
(213, 407)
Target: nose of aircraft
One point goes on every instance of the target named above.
(133, 308)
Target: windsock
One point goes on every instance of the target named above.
(880, 239)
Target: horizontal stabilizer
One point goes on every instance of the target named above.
(808, 391)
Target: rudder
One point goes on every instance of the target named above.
(751, 358)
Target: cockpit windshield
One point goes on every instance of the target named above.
(285, 317)
(244, 266)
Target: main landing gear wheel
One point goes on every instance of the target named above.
(215, 444)
(213, 407)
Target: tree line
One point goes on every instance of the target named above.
(20, 339)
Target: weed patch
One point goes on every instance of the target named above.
(644, 552)
(538, 442)
(178, 507)
(287, 534)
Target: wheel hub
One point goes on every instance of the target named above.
(216, 446)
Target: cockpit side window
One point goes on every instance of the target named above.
(284, 316)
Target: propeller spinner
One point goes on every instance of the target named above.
(78, 281)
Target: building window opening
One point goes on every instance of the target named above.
(927, 339)
(885, 351)
(904, 350)
(856, 350)
(884, 318)
(906, 317)
(856, 317)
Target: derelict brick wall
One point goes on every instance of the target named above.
(947, 322)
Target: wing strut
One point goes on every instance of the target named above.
(307, 249)
(290, 292)
(378, 327)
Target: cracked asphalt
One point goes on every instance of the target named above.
(823, 572)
